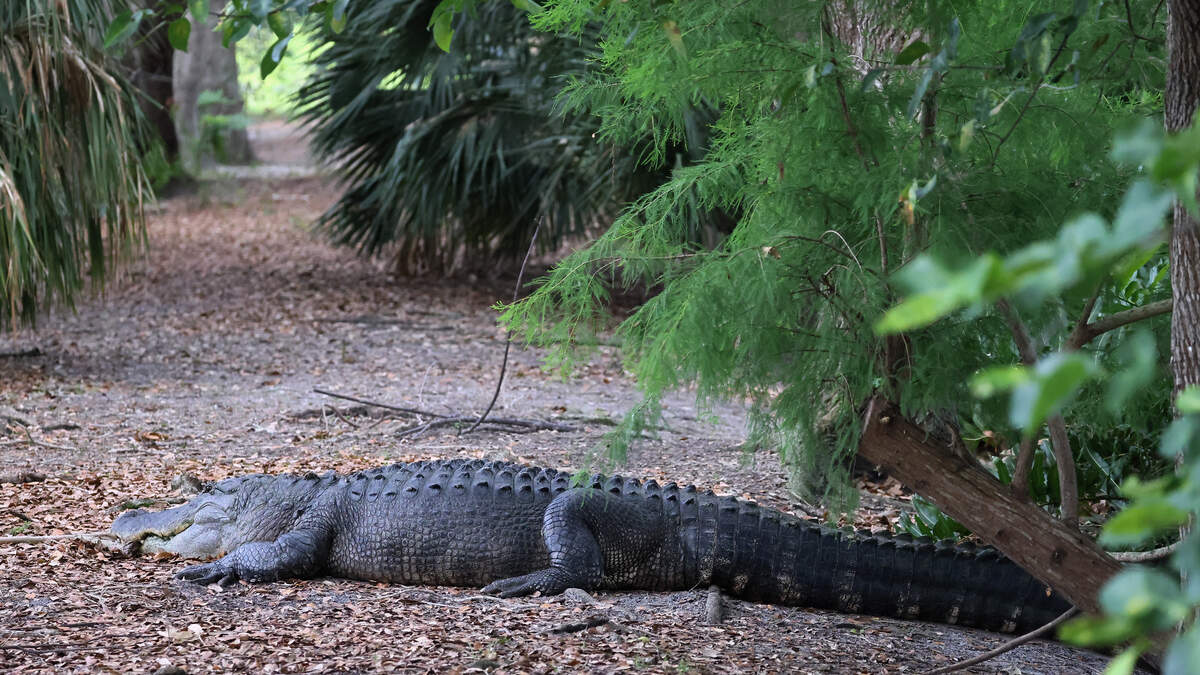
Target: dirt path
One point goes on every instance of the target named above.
(203, 361)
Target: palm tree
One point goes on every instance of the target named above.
(452, 156)
(71, 138)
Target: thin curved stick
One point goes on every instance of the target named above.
(507, 333)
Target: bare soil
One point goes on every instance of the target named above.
(203, 361)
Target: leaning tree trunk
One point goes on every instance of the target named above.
(1182, 96)
(1049, 549)
(208, 66)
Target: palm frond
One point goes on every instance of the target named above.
(453, 155)
(71, 184)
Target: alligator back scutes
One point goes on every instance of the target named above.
(477, 477)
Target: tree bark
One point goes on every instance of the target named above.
(1182, 96)
(208, 66)
(1047, 548)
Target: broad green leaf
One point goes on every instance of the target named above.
(1056, 379)
(527, 5)
(1139, 358)
(911, 53)
(1140, 216)
(1139, 145)
(178, 33)
(443, 30)
(928, 513)
(1145, 595)
(1183, 654)
(982, 281)
(1140, 521)
(274, 55)
(990, 381)
(337, 16)
(124, 25)
(1096, 630)
(199, 10)
(1188, 401)
(1125, 662)
(1179, 437)
(280, 23)
(259, 8)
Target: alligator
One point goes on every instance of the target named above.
(517, 530)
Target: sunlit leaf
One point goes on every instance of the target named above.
(124, 25)
(443, 30)
(1188, 401)
(1140, 521)
(199, 10)
(271, 59)
(1125, 662)
(1057, 378)
(178, 33)
(911, 53)
(280, 23)
(1097, 630)
(993, 380)
(1147, 596)
(1183, 654)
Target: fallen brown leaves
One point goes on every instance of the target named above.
(199, 364)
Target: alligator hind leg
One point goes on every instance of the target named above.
(588, 533)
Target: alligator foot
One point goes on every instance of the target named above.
(206, 574)
(549, 581)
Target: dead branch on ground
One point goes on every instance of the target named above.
(1007, 646)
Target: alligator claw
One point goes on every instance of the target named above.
(548, 581)
(207, 574)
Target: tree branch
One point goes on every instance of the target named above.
(1068, 484)
(508, 333)
(1007, 646)
(1020, 334)
(1144, 556)
(1020, 477)
(1086, 333)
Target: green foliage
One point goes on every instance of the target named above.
(1141, 602)
(275, 94)
(987, 138)
(930, 522)
(71, 190)
(453, 156)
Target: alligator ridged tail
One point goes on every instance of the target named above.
(763, 555)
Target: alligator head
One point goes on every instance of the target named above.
(223, 516)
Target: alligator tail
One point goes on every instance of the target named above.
(762, 555)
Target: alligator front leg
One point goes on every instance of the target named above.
(296, 554)
(588, 532)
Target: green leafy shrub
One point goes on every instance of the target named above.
(453, 156)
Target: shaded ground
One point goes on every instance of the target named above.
(203, 361)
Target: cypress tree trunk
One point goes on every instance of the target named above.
(1182, 96)
(208, 66)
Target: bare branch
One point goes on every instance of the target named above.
(507, 333)
(1144, 556)
(1084, 335)
(1068, 483)
(1020, 333)
(1020, 477)
(1007, 646)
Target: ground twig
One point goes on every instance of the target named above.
(508, 333)
(1007, 646)
(35, 539)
